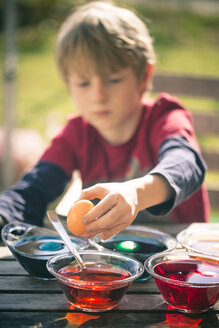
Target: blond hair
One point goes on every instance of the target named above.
(105, 38)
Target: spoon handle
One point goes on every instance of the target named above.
(62, 232)
(94, 242)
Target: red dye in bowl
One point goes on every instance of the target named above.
(192, 285)
(97, 289)
(101, 285)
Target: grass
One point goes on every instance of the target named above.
(44, 97)
(209, 142)
(189, 61)
(184, 43)
(214, 216)
(41, 92)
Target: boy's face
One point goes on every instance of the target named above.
(112, 104)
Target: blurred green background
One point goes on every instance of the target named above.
(186, 41)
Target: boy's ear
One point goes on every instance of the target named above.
(146, 77)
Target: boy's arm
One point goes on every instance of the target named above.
(184, 169)
(28, 199)
(179, 173)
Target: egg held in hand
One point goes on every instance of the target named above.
(75, 215)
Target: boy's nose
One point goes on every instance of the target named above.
(99, 91)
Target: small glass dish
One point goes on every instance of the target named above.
(189, 282)
(140, 242)
(101, 285)
(33, 246)
(203, 240)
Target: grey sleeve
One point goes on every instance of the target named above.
(183, 167)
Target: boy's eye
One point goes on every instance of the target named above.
(83, 84)
(115, 80)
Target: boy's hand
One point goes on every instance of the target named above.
(116, 210)
(121, 202)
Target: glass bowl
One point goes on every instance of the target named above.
(189, 282)
(140, 242)
(33, 246)
(204, 240)
(101, 285)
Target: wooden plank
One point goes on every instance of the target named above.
(186, 85)
(214, 197)
(55, 302)
(5, 253)
(159, 223)
(206, 123)
(29, 284)
(211, 158)
(11, 268)
(13, 278)
(111, 319)
(203, 226)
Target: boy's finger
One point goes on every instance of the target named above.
(113, 231)
(106, 221)
(103, 207)
(93, 192)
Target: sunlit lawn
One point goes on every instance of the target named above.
(185, 43)
(43, 97)
(41, 91)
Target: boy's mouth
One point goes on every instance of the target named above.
(102, 113)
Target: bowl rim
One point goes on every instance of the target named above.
(74, 282)
(166, 239)
(184, 254)
(186, 233)
(8, 229)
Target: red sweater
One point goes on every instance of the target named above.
(80, 146)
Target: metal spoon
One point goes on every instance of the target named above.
(63, 234)
(94, 242)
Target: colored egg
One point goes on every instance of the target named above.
(75, 215)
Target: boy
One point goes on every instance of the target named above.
(133, 153)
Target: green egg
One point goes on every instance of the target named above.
(127, 246)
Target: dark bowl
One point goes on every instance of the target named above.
(33, 246)
(140, 242)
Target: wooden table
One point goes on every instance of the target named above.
(29, 302)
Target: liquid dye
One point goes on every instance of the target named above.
(188, 298)
(33, 252)
(137, 246)
(134, 244)
(101, 292)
